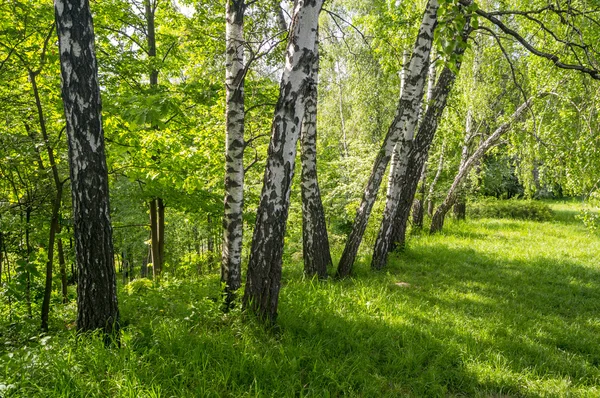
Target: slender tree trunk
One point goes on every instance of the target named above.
(159, 227)
(63, 270)
(56, 203)
(154, 237)
(460, 207)
(437, 222)
(341, 110)
(97, 306)
(49, 262)
(161, 234)
(233, 224)
(28, 211)
(317, 255)
(280, 15)
(419, 204)
(419, 154)
(1, 255)
(401, 129)
(392, 233)
(397, 155)
(420, 151)
(264, 269)
(438, 174)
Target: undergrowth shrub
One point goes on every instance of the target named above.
(516, 209)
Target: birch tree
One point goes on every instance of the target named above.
(419, 152)
(383, 241)
(401, 129)
(437, 222)
(264, 268)
(97, 306)
(231, 261)
(316, 252)
(157, 206)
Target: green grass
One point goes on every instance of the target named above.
(493, 308)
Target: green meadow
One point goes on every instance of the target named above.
(491, 307)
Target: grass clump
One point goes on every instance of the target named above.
(492, 308)
(513, 209)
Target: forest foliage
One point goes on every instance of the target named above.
(525, 69)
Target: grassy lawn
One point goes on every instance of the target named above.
(489, 308)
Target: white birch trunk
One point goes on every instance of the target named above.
(418, 206)
(402, 129)
(316, 252)
(231, 260)
(264, 269)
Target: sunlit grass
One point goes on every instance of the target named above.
(488, 308)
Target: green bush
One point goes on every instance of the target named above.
(516, 209)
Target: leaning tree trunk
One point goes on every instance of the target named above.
(384, 242)
(418, 209)
(56, 202)
(157, 219)
(420, 153)
(1, 255)
(97, 306)
(231, 260)
(438, 174)
(317, 256)
(420, 150)
(437, 222)
(397, 155)
(418, 206)
(460, 206)
(393, 228)
(264, 268)
(402, 126)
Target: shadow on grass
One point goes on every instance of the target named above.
(539, 315)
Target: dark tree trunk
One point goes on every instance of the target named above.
(417, 212)
(419, 154)
(316, 252)
(28, 211)
(460, 210)
(154, 245)
(63, 271)
(157, 238)
(49, 262)
(1, 255)
(264, 268)
(97, 306)
(161, 234)
(56, 203)
(399, 133)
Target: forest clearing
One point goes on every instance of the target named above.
(491, 308)
(299, 198)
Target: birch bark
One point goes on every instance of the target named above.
(231, 259)
(96, 288)
(317, 255)
(438, 174)
(418, 206)
(419, 154)
(264, 268)
(401, 129)
(395, 188)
